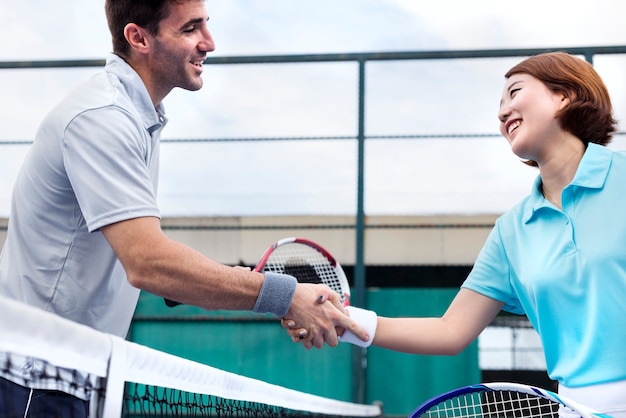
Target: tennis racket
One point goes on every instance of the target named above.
(305, 260)
(501, 400)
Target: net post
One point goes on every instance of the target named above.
(114, 399)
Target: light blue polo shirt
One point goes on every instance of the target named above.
(566, 270)
(94, 162)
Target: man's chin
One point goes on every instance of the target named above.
(194, 85)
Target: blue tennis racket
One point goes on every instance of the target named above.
(491, 400)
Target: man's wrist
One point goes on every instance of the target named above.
(276, 294)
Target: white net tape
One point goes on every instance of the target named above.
(30, 332)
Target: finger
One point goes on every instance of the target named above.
(335, 299)
(349, 324)
(298, 335)
(318, 342)
(339, 331)
(288, 323)
(331, 338)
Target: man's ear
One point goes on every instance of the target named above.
(137, 37)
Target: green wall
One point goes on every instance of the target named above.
(257, 346)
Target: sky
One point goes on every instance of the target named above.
(402, 176)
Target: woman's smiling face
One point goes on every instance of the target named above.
(527, 115)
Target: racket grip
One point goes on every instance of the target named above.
(365, 318)
(171, 303)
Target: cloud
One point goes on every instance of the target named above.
(533, 23)
(47, 30)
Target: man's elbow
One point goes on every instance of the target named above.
(140, 277)
(137, 280)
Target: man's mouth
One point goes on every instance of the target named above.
(198, 63)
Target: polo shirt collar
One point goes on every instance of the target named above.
(591, 173)
(152, 118)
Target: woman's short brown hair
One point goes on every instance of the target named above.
(589, 115)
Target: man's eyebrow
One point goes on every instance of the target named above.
(194, 22)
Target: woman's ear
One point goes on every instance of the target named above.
(565, 101)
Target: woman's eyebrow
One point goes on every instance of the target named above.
(508, 89)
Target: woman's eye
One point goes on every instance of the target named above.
(512, 93)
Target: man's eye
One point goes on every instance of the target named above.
(189, 29)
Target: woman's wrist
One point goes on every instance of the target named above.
(366, 319)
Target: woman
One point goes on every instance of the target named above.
(559, 256)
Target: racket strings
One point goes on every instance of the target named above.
(305, 273)
(305, 263)
(496, 404)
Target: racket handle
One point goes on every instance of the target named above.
(365, 318)
(170, 303)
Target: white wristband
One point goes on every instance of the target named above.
(366, 319)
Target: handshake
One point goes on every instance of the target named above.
(347, 324)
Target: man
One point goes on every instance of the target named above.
(84, 232)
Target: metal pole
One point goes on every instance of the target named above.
(359, 358)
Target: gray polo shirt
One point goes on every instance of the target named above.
(94, 162)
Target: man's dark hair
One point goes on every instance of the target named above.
(145, 13)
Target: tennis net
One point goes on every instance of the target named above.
(125, 379)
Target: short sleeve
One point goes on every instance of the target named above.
(107, 157)
(491, 276)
